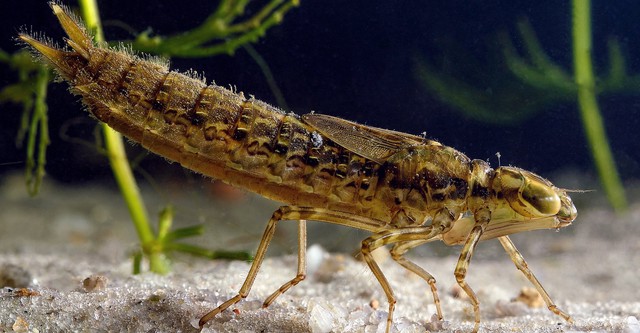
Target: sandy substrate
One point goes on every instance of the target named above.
(49, 245)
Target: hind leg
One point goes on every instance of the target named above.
(300, 214)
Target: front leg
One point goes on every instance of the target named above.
(517, 259)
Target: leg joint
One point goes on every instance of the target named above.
(460, 275)
(278, 213)
(366, 244)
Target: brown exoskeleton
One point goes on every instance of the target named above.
(404, 189)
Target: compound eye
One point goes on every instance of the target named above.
(539, 199)
(529, 194)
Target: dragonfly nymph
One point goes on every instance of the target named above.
(404, 189)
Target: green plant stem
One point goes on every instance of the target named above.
(218, 27)
(591, 118)
(91, 17)
(268, 75)
(35, 170)
(121, 168)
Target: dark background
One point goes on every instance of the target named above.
(355, 59)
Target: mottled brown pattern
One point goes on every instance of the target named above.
(404, 189)
(248, 143)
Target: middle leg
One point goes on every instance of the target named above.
(462, 267)
(403, 237)
(397, 254)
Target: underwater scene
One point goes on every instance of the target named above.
(474, 166)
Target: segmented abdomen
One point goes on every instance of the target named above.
(222, 134)
(250, 144)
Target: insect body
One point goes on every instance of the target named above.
(404, 189)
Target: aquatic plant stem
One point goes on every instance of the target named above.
(91, 16)
(35, 168)
(218, 34)
(588, 105)
(114, 145)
